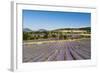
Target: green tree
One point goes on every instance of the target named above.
(26, 36)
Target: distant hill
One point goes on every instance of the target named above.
(42, 30)
(85, 28)
(82, 28)
(27, 30)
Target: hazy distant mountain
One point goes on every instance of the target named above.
(82, 28)
(85, 28)
(27, 30)
(42, 30)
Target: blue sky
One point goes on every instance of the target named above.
(49, 20)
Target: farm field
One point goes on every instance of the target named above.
(57, 51)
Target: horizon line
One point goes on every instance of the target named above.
(57, 28)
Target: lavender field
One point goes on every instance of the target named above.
(57, 51)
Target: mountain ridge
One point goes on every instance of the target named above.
(44, 30)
